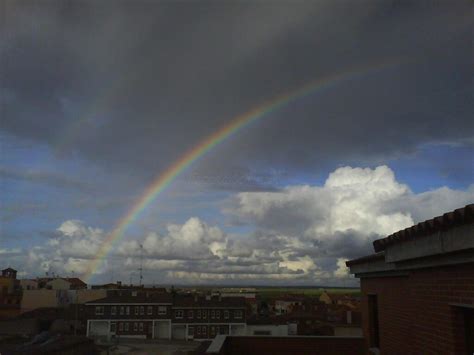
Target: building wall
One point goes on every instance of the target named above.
(271, 329)
(415, 311)
(293, 345)
(27, 284)
(33, 299)
(208, 315)
(347, 331)
(84, 296)
(7, 285)
(325, 298)
(134, 312)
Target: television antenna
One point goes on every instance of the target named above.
(141, 264)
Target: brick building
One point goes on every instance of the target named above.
(132, 314)
(10, 295)
(310, 345)
(164, 316)
(418, 288)
(205, 317)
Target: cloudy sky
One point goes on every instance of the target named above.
(97, 99)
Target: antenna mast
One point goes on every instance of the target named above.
(141, 264)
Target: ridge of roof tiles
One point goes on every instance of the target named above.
(458, 217)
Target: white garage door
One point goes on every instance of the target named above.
(179, 332)
(162, 330)
(99, 328)
(237, 329)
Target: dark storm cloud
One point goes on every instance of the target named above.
(132, 85)
(48, 178)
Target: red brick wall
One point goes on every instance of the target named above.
(293, 346)
(414, 312)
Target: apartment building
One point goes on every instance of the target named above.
(204, 317)
(131, 314)
(136, 314)
(418, 288)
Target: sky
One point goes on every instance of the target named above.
(98, 99)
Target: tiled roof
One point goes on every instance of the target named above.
(9, 269)
(365, 259)
(460, 216)
(75, 281)
(139, 298)
(190, 301)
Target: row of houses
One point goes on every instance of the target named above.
(165, 316)
(180, 316)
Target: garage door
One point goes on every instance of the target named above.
(162, 330)
(237, 330)
(179, 332)
(99, 328)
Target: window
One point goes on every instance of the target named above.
(136, 310)
(238, 314)
(161, 310)
(218, 314)
(149, 310)
(142, 310)
(199, 314)
(99, 310)
(113, 327)
(141, 326)
(204, 314)
(121, 327)
(113, 310)
(126, 327)
(212, 331)
(128, 310)
(190, 331)
(373, 321)
(226, 314)
(198, 330)
(190, 314)
(213, 314)
(178, 314)
(204, 330)
(135, 326)
(224, 329)
(122, 310)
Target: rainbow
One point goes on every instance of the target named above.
(162, 181)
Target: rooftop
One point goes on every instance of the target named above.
(164, 298)
(443, 240)
(199, 301)
(294, 345)
(458, 217)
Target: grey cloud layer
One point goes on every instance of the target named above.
(133, 85)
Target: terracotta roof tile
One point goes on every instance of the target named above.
(460, 216)
(365, 259)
